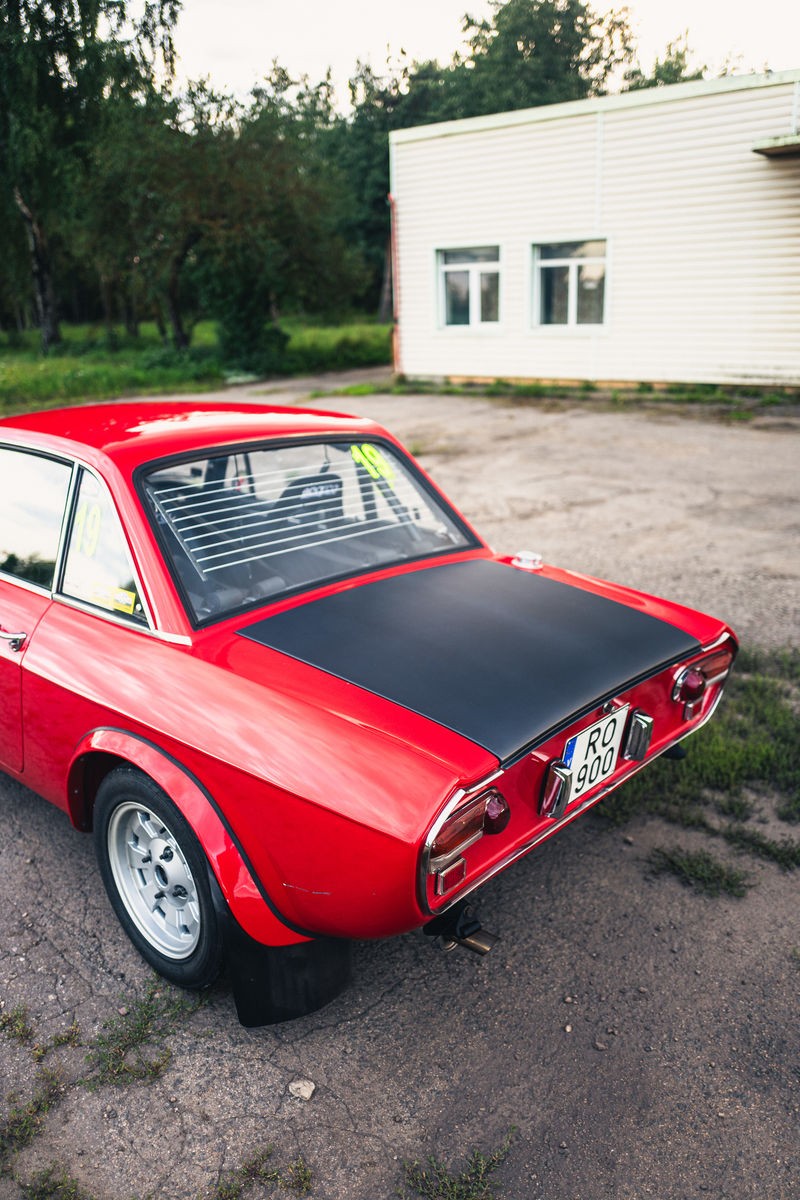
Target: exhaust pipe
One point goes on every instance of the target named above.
(460, 927)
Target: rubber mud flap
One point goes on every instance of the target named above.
(280, 983)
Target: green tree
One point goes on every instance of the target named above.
(57, 61)
(529, 52)
(534, 52)
(273, 241)
(672, 68)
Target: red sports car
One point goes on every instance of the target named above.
(294, 695)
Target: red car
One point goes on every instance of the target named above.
(294, 695)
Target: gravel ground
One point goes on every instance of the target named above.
(642, 1041)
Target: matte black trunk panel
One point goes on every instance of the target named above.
(495, 654)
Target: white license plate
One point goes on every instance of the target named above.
(592, 754)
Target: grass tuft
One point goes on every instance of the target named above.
(123, 1052)
(24, 1122)
(700, 871)
(259, 1170)
(434, 1181)
(16, 1026)
(786, 852)
(53, 1184)
(753, 741)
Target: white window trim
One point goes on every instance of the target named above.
(474, 270)
(571, 328)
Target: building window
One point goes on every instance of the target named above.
(470, 285)
(569, 283)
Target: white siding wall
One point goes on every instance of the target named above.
(703, 235)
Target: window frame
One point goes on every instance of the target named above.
(474, 270)
(472, 541)
(55, 593)
(536, 265)
(39, 588)
(117, 617)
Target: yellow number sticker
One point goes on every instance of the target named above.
(371, 459)
(88, 522)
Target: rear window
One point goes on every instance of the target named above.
(243, 526)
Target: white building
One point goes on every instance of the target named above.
(652, 236)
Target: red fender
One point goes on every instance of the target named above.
(243, 893)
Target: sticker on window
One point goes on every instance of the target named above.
(370, 457)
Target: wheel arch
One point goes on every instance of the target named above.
(103, 750)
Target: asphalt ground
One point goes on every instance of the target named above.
(640, 1040)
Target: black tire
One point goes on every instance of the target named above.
(156, 876)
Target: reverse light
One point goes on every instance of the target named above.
(693, 681)
(487, 813)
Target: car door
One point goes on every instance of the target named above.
(33, 496)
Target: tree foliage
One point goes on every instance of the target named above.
(121, 199)
(58, 60)
(674, 67)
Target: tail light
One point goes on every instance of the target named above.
(693, 681)
(486, 813)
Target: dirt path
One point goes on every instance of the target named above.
(642, 1041)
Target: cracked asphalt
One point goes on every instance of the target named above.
(641, 1040)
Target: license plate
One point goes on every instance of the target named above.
(592, 754)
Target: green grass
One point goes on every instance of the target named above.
(433, 1180)
(86, 367)
(53, 1184)
(336, 348)
(752, 742)
(124, 1051)
(699, 871)
(24, 1122)
(16, 1026)
(784, 851)
(259, 1170)
(737, 403)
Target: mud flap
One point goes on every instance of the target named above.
(279, 983)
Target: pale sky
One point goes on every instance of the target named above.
(234, 43)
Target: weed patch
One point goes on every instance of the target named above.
(259, 1170)
(25, 1121)
(435, 1181)
(16, 1026)
(785, 852)
(53, 1184)
(124, 1052)
(752, 741)
(699, 871)
(734, 403)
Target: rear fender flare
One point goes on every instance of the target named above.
(242, 890)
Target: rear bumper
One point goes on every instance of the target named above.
(521, 780)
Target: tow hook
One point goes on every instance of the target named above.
(460, 927)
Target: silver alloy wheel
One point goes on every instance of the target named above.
(153, 880)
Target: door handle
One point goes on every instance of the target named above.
(15, 640)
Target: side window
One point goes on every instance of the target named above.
(97, 567)
(33, 493)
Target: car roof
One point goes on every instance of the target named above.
(134, 432)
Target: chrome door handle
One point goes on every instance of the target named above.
(15, 640)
